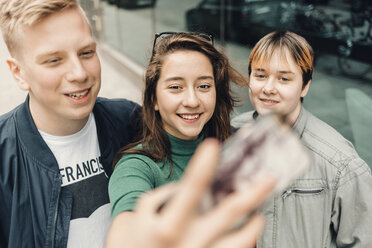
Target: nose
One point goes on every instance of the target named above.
(269, 87)
(76, 71)
(191, 98)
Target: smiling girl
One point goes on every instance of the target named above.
(187, 98)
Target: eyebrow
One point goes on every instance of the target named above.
(91, 44)
(205, 77)
(181, 78)
(286, 72)
(173, 79)
(258, 69)
(46, 54)
(280, 72)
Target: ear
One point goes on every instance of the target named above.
(156, 107)
(305, 89)
(15, 69)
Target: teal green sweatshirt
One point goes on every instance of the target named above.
(136, 174)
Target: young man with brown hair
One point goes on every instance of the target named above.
(331, 204)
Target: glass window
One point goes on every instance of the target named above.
(340, 32)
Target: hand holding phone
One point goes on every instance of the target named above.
(266, 148)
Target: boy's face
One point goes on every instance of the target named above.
(58, 65)
(276, 86)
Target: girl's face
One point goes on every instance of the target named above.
(185, 93)
(276, 86)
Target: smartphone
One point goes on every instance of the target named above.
(266, 147)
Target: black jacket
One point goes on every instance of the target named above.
(34, 210)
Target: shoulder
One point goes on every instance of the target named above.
(138, 161)
(6, 120)
(9, 116)
(241, 119)
(325, 137)
(113, 106)
(328, 144)
(9, 137)
(8, 125)
(135, 165)
(134, 160)
(116, 114)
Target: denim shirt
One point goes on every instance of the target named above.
(331, 204)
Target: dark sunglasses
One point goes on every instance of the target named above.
(159, 36)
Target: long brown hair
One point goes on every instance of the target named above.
(154, 140)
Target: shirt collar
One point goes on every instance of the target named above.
(184, 147)
(301, 121)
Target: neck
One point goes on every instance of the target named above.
(292, 117)
(53, 125)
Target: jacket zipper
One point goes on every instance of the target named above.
(56, 213)
(300, 191)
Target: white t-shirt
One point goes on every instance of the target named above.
(78, 157)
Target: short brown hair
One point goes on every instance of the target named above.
(16, 13)
(298, 47)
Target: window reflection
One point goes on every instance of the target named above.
(340, 32)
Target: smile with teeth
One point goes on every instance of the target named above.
(78, 95)
(189, 117)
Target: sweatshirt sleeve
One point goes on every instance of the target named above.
(131, 178)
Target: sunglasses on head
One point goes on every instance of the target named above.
(159, 36)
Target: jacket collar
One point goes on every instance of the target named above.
(31, 140)
(301, 121)
(105, 140)
(36, 147)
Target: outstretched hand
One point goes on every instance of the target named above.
(179, 223)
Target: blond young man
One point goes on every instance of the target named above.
(57, 147)
(331, 204)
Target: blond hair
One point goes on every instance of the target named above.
(17, 13)
(296, 45)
